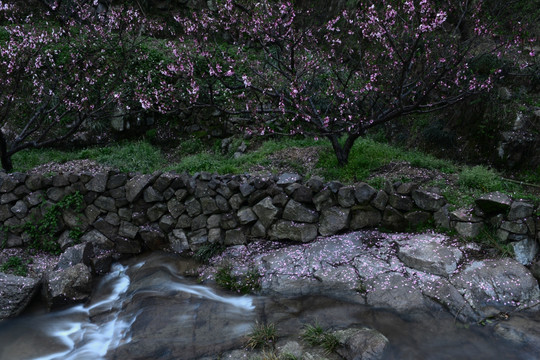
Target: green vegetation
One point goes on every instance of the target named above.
(262, 336)
(250, 282)
(315, 335)
(43, 231)
(15, 265)
(208, 251)
(489, 237)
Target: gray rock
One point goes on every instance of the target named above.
(246, 189)
(516, 227)
(178, 241)
(442, 217)
(406, 188)
(236, 201)
(213, 221)
(180, 194)
(167, 223)
(67, 286)
(525, 250)
(393, 219)
(400, 202)
(288, 178)
(98, 183)
(235, 237)
(77, 254)
(303, 194)
(175, 207)
(393, 290)
(246, 216)
(427, 200)
(495, 202)
(361, 344)
(492, 286)
(184, 222)
(16, 292)
(468, 230)
(521, 331)
(297, 212)
(258, 230)
(334, 186)
(92, 212)
(417, 218)
(5, 212)
(7, 198)
(20, 209)
(289, 230)
(266, 211)
(151, 195)
(128, 230)
(364, 193)
(380, 200)
(95, 237)
(105, 203)
(222, 203)
(215, 235)
(199, 222)
(193, 207)
(55, 194)
(153, 237)
(324, 200)
(125, 214)
(136, 185)
(520, 210)
(111, 218)
(197, 239)
(426, 253)
(163, 181)
(127, 246)
(208, 205)
(116, 180)
(315, 183)
(34, 182)
(365, 217)
(334, 220)
(156, 211)
(110, 231)
(346, 196)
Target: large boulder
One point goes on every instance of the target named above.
(334, 220)
(295, 211)
(427, 200)
(494, 202)
(426, 253)
(15, 294)
(266, 211)
(361, 344)
(492, 286)
(67, 286)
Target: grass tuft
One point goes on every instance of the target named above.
(262, 336)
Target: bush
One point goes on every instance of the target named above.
(480, 178)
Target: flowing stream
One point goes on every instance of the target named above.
(146, 309)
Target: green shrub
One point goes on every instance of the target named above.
(244, 284)
(15, 265)
(314, 335)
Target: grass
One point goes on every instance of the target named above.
(247, 283)
(262, 336)
(15, 265)
(315, 335)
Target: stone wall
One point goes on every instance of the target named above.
(125, 214)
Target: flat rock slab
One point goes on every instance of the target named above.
(492, 286)
(521, 331)
(15, 294)
(429, 255)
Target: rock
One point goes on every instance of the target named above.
(153, 237)
(67, 286)
(236, 201)
(128, 230)
(178, 241)
(428, 201)
(492, 286)
(163, 181)
(315, 183)
(246, 189)
(525, 250)
(77, 254)
(426, 253)
(197, 239)
(468, 229)
(266, 211)
(346, 196)
(288, 178)
(297, 212)
(34, 182)
(208, 205)
(117, 180)
(235, 237)
(364, 193)
(442, 217)
(193, 207)
(303, 194)
(365, 217)
(95, 237)
(380, 200)
(105, 203)
(521, 331)
(324, 200)
(516, 227)
(393, 219)
(199, 222)
(213, 221)
(16, 292)
(520, 210)
(55, 194)
(393, 290)
(333, 220)
(127, 246)
(98, 183)
(289, 230)
(136, 185)
(151, 195)
(20, 209)
(400, 202)
(417, 218)
(495, 202)
(156, 211)
(258, 230)
(175, 207)
(361, 344)
(246, 216)
(110, 231)
(167, 223)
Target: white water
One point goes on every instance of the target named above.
(90, 331)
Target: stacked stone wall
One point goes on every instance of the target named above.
(126, 214)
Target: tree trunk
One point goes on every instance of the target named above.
(5, 156)
(342, 151)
